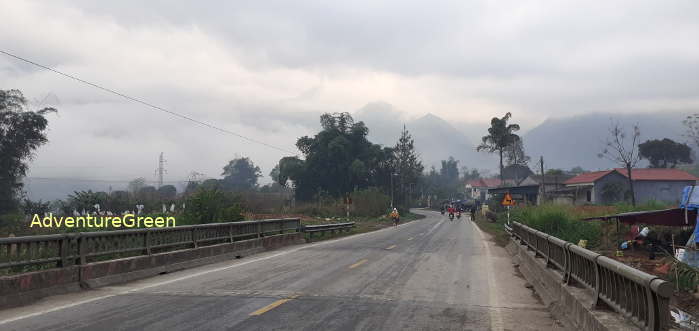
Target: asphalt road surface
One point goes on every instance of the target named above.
(430, 274)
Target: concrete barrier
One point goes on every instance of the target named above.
(28, 287)
(569, 304)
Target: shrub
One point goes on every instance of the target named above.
(370, 202)
(212, 205)
(559, 221)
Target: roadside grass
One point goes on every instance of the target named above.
(566, 222)
(495, 229)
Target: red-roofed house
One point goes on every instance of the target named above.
(610, 186)
(478, 188)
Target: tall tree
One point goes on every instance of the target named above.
(623, 152)
(136, 185)
(274, 173)
(240, 174)
(21, 133)
(167, 193)
(408, 166)
(665, 153)
(338, 159)
(500, 136)
(517, 159)
(692, 124)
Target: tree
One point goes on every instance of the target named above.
(86, 200)
(36, 207)
(240, 174)
(149, 197)
(120, 201)
(577, 170)
(516, 173)
(289, 167)
(692, 124)
(517, 160)
(136, 185)
(274, 174)
(21, 133)
(500, 137)
(468, 175)
(555, 172)
(408, 166)
(338, 160)
(665, 153)
(167, 193)
(619, 151)
(210, 205)
(449, 183)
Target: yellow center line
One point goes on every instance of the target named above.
(391, 247)
(271, 306)
(358, 263)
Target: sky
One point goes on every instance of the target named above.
(268, 69)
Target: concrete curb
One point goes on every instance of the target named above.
(23, 289)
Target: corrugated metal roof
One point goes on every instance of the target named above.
(659, 174)
(588, 177)
(666, 174)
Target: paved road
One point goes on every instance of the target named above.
(430, 274)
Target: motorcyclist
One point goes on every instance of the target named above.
(395, 216)
(451, 211)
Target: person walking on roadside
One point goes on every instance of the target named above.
(395, 217)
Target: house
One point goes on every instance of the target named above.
(546, 184)
(477, 189)
(611, 186)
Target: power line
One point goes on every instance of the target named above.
(137, 100)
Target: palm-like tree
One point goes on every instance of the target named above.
(500, 136)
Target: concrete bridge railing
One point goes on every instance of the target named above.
(640, 297)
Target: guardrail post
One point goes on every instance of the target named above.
(651, 306)
(82, 249)
(63, 247)
(230, 232)
(281, 227)
(596, 301)
(146, 242)
(567, 265)
(194, 238)
(259, 230)
(548, 251)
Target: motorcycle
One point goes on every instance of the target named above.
(442, 211)
(451, 217)
(458, 215)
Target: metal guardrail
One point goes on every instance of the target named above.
(638, 296)
(61, 250)
(311, 229)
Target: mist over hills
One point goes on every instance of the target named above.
(435, 138)
(564, 142)
(575, 141)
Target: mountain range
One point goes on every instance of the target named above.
(564, 142)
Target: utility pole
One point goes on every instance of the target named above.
(543, 180)
(161, 169)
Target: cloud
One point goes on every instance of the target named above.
(268, 69)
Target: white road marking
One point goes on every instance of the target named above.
(496, 321)
(238, 264)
